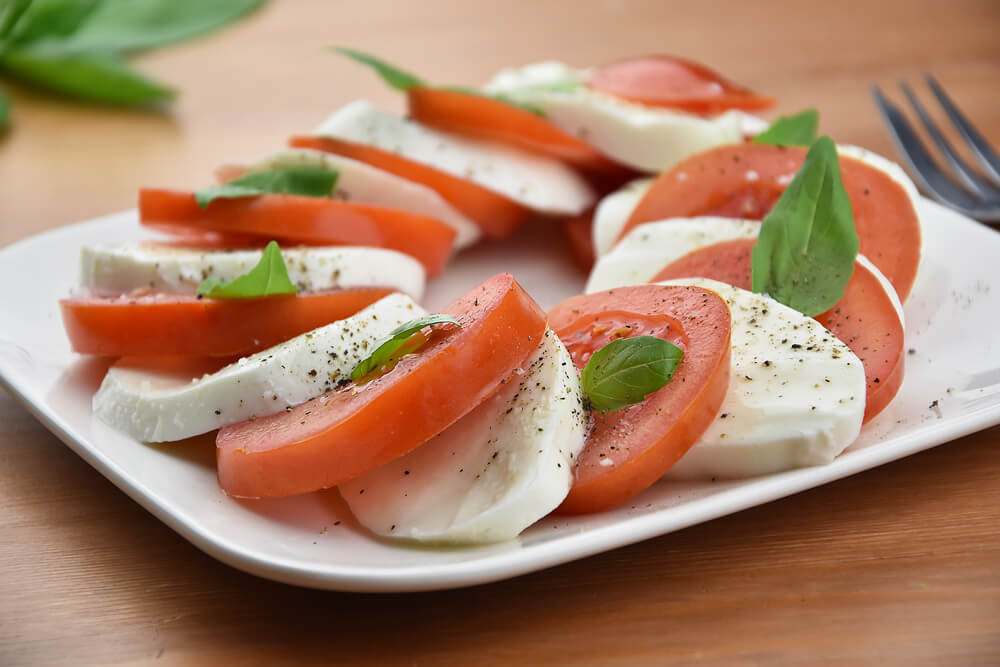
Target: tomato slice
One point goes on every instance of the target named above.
(155, 325)
(865, 318)
(646, 439)
(669, 81)
(347, 432)
(483, 117)
(579, 233)
(307, 220)
(496, 215)
(745, 180)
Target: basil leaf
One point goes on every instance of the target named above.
(397, 338)
(97, 78)
(805, 251)
(10, 14)
(626, 370)
(49, 19)
(268, 278)
(392, 75)
(795, 130)
(131, 25)
(403, 80)
(306, 181)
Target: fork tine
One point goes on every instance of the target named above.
(963, 170)
(922, 165)
(987, 156)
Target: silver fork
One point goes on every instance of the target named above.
(975, 194)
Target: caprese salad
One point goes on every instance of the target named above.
(743, 314)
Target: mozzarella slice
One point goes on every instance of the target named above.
(642, 137)
(796, 394)
(541, 184)
(123, 267)
(648, 248)
(168, 405)
(613, 211)
(505, 465)
(363, 183)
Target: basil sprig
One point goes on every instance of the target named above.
(805, 252)
(795, 130)
(402, 80)
(77, 48)
(626, 370)
(307, 181)
(268, 278)
(386, 348)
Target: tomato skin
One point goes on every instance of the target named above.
(347, 432)
(495, 214)
(676, 83)
(646, 439)
(305, 220)
(864, 319)
(185, 325)
(580, 235)
(715, 182)
(483, 117)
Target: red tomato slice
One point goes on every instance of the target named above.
(487, 118)
(495, 214)
(579, 233)
(646, 439)
(308, 220)
(716, 182)
(865, 318)
(668, 81)
(155, 325)
(349, 431)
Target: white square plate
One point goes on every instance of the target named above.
(952, 388)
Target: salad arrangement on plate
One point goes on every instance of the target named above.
(742, 314)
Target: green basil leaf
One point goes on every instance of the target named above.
(397, 338)
(805, 251)
(392, 75)
(97, 78)
(10, 14)
(306, 181)
(4, 110)
(49, 19)
(626, 370)
(795, 130)
(131, 25)
(268, 278)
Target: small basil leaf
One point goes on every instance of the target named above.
(131, 25)
(392, 75)
(626, 370)
(306, 181)
(268, 278)
(805, 252)
(10, 14)
(96, 78)
(397, 338)
(795, 130)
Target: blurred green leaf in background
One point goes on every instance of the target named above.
(77, 48)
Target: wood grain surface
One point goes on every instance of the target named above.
(899, 565)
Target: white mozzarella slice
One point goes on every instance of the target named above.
(613, 211)
(539, 183)
(167, 405)
(796, 394)
(642, 137)
(123, 267)
(648, 248)
(365, 184)
(505, 465)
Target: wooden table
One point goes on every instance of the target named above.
(899, 565)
